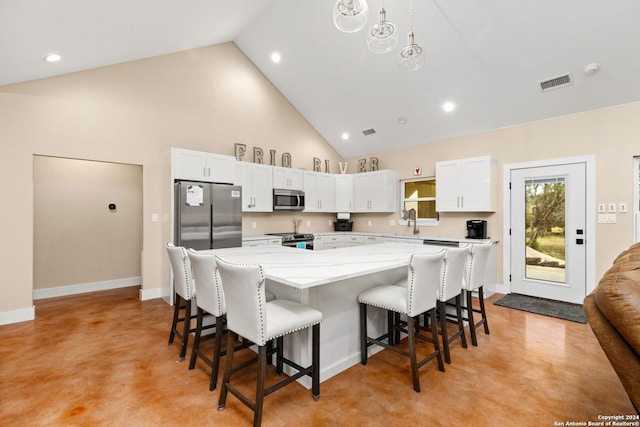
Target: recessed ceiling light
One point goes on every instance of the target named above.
(345, 136)
(275, 57)
(402, 120)
(54, 57)
(448, 106)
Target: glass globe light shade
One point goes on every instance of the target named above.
(350, 16)
(383, 36)
(411, 57)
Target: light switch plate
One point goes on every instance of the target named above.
(622, 207)
(612, 207)
(602, 208)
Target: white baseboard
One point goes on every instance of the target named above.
(146, 294)
(85, 287)
(15, 316)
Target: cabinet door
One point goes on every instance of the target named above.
(244, 177)
(221, 168)
(375, 191)
(325, 190)
(475, 185)
(447, 187)
(465, 185)
(383, 191)
(288, 178)
(361, 193)
(189, 164)
(311, 202)
(344, 193)
(262, 188)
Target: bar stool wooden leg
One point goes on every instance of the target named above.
(222, 400)
(196, 339)
(217, 351)
(443, 330)
(363, 334)
(262, 362)
(412, 352)
(472, 323)
(315, 360)
(482, 310)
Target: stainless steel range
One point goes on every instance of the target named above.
(296, 240)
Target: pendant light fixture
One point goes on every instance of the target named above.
(411, 57)
(350, 16)
(383, 36)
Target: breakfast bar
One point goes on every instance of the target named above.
(330, 282)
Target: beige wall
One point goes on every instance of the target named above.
(204, 99)
(612, 135)
(210, 98)
(77, 239)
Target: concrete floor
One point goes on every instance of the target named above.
(102, 359)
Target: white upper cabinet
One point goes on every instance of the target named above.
(319, 192)
(375, 191)
(466, 185)
(201, 166)
(287, 178)
(344, 193)
(257, 186)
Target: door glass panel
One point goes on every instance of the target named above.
(545, 229)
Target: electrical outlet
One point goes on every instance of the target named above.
(308, 223)
(369, 223)
(253, 224)
(392, 222)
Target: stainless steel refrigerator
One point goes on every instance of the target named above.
(208, 216)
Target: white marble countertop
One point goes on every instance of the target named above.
(405, 236)
(305, 269)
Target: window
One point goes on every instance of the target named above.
(421, 196)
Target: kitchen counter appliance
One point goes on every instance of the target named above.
(476, 229)
(296, 240)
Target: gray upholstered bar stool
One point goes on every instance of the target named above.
(211, 301)
(451, 289)
(185, 292)
(251, 316)
(474, 277)
(411, 296)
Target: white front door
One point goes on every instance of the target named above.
(548, 231)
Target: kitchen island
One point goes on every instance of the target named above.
(330, 282)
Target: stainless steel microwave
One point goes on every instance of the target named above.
(284, 199)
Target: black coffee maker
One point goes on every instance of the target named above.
(476, 229)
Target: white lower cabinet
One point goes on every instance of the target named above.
(328, 241)
(252, 242)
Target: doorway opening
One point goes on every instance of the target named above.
(87, 226)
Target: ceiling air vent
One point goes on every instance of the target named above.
(555, 82)
(367, 132)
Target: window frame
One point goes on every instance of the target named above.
(428, 222)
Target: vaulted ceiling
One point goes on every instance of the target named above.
(487, 57)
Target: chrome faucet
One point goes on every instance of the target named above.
(409, 215)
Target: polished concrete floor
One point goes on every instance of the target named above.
(103, 359)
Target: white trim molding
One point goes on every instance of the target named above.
(147, 294)
(86, 287)
(15, 316)
(590, 214)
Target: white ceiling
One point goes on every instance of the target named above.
(486, 56)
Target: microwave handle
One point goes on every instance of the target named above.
(298, 197)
